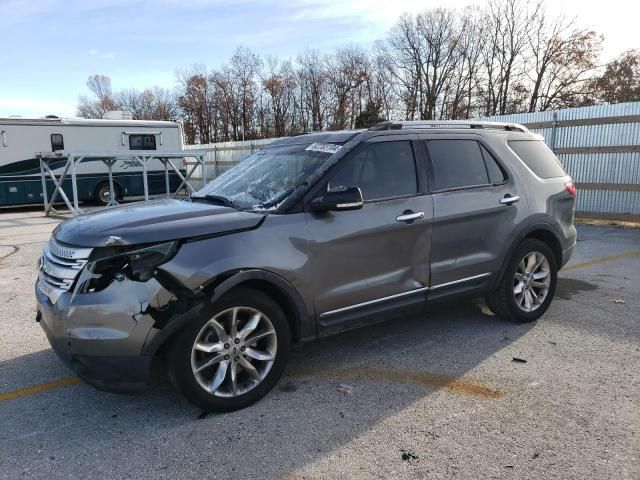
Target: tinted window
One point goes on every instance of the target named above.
(457, 163)
(142, 142)
(57, 142)
(381, 170)
(537, 156)
(496, 175)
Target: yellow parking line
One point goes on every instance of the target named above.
(23, 392)
(598, 261)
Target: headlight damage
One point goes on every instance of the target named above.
(138, 265)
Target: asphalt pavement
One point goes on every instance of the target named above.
(453, 393)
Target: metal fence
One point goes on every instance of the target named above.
(220, 157)
(599, 146)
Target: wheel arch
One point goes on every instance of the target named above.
(542, 231)
(278, 288)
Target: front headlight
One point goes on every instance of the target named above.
(138, 265)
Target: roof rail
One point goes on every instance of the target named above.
(426, 124)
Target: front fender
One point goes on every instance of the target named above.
(302, 322)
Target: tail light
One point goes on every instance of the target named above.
(571, 188)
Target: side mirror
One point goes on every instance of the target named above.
(342, 198)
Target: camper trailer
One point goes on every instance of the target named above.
(24, 140)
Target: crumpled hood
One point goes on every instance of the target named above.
(155, 221)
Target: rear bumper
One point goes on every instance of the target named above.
(566, 255)
(106, 358)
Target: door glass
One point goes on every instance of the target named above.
(496, 175)
(457, 164)
(381, 170)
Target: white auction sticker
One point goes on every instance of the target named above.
(324, 147)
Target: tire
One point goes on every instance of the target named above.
(101, 192)
(204, 388)
(505, 302)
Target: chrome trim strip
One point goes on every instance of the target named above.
(482, 275)
(371, 302)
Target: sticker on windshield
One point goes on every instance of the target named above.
(324, 147)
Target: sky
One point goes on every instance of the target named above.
(50, 47)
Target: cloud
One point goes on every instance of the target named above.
(95, 52)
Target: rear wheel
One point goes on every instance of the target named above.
(234, 354)
(102, 193)
(527, 285)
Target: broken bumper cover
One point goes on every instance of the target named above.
(101, 341)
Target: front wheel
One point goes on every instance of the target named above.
(234, 354)
(527, 285)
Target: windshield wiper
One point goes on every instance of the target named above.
(275, 201)
(219, 199)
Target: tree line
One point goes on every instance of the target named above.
(507, 57)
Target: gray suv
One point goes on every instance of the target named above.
(313, 235)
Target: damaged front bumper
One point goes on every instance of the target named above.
(101, 335)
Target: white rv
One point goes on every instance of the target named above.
(23, 139)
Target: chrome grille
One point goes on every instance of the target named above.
(59, 267)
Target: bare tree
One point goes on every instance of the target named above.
(313, 89)
(504, 54)
(346, 70)
(563, 56)
(279, 84)
(196, 101)
(100, 87)
(243, 69)
(620, 81)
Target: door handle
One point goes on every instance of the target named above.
(409, 217)
(508, 199)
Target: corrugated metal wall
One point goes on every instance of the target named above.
(599, 147)
(222, 156)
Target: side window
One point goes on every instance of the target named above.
(142, 142)
(537, 156)
(496, 175)
(381, 170)
(57, 142)
(457, 164)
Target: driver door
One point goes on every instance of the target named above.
(375, 258)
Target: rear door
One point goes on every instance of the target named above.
(377, 256)
(476, 205)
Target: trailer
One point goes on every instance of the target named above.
(24, 141)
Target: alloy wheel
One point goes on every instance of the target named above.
(234, 351)
(531, 281)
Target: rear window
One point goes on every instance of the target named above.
(537, 156)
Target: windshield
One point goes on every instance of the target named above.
(266, 178)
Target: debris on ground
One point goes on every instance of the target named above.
(288, 387)
(344, 388)
(409, 456)
(518, 360)
(618, 300)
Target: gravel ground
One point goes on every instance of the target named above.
(433, 397)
